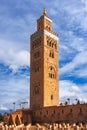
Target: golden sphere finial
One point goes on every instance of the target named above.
(44, 11)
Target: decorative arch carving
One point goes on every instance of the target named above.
(11, 120)
(36, 43)
(51, 53)
(17, 120)
(51, 42)
(51, 72)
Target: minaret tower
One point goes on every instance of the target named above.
(44, 88)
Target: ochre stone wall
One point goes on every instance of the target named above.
(16, 117)
(54, 114)
(68, 113)
(21, 116)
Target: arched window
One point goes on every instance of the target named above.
(51, 54)
(36, 90)
(51, 97)
(51, 72)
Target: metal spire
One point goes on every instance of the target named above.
(44, 11)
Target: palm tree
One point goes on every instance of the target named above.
(14, 106)
(66, 103)
(78, 102)
(68, 100)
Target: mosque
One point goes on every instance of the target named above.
(44, 82)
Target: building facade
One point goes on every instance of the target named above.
(44, 88)
(54, 114)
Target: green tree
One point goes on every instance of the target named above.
(1, 117)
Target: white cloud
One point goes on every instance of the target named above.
(14, 58)
(79, 60)
(14, 90)
(18, 59)
(82, 73)
(75, 88)
(79, 44)
(53, 11)
(84, 23)
(3, 107)
(78, 15)
(68, 89)
(85, 3)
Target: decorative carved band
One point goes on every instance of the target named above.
(38, 34)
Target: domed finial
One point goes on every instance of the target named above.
(44, 11)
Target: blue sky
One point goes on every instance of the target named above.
(17, 22)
